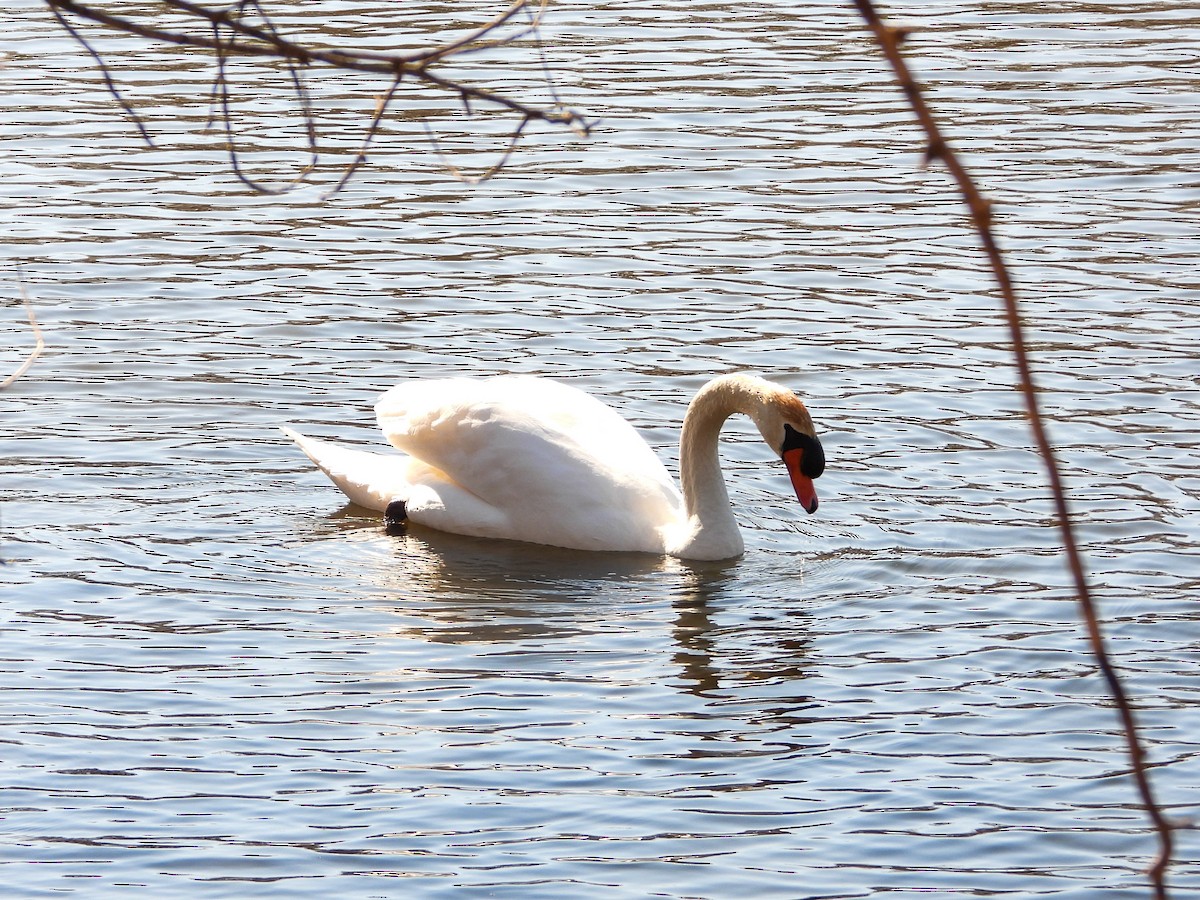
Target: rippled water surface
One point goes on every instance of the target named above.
(217, 680)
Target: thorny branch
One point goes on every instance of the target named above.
(244, 29)
(889, 38)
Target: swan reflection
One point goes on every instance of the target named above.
(728, 633)
(731, 623)
(468, 589)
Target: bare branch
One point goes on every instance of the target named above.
(104, 73)
(462, 176)
(221, 99)
(251, 40)
(361, 158)
(476, 37)
(889, 39)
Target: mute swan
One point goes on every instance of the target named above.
(529, 459)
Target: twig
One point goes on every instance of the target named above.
(476, 36)
(104, 73)
(39, 343)
(251, 40)
(487, 173)
(221, 100)
(380, 108)
(889, 39)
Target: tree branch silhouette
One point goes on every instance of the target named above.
(245, 29)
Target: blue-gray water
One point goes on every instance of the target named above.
(218, 681)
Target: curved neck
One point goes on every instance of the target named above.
(705, 496)
(700, 475)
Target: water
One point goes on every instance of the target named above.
(218, 681)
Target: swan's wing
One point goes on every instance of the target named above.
(374, 480)
(369, 479)
(562, 467)
(453, 424)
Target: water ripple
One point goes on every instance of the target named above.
(217, 680)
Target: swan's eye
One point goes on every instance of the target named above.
(812, 454)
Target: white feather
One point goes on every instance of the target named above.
(529, 459)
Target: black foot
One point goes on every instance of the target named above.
(395, 518)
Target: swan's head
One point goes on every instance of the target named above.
(782, 420)
(786, 425)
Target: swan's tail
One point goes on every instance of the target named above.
(369, 479)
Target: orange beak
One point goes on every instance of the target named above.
(806, 491)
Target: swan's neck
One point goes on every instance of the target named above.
(711, 520)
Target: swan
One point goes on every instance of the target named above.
(526, 458)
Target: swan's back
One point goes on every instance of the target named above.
(556, 465)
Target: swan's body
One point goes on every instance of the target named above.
(528, 459)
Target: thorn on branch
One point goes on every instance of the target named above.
(935, 151)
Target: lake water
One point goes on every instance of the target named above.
(217, 680)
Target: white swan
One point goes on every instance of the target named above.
(529, 459)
